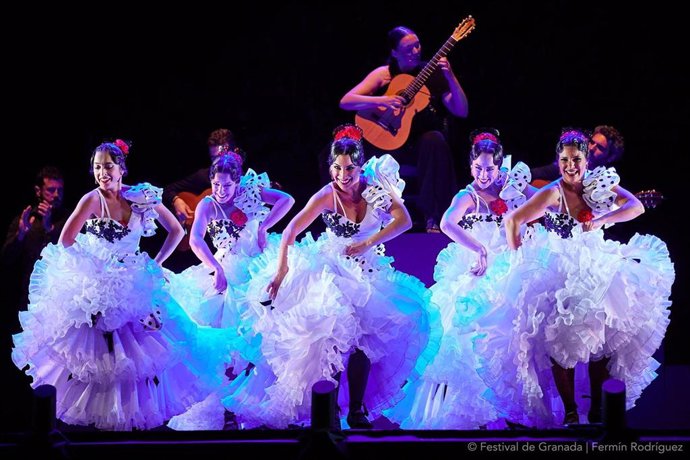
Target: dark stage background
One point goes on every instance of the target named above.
(275, 75)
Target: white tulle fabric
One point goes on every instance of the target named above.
(582, 298)
(85, 332)
(230, 311)
(327, 306)
(477, 321)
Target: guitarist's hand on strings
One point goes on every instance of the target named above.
(394, 102)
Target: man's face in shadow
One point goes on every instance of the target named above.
(51, 192)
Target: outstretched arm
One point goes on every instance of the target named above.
(315, 206)
(461, 203)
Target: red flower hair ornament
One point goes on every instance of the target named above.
(585, 215)
(354, 132)
(122, 145)
(498, 207)
(484, 137)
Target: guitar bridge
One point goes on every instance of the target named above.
(387, 127)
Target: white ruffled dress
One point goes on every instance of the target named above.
(330, 304)
(580, 297)
(102, 329)
(476, 318)
(235, 240)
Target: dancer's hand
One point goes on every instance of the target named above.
(479, 267)
(274, 285)
(357, 249)
(590, 225)
(220, 283)
(261, 239)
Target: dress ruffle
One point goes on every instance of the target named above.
(248, 198)
(383, 182)
(451, 393)
(598, 185)
(85, 332)
(231, 312)
(143, 198)
(193, 289)
(605, 299)
(328, 305)
(516, 181)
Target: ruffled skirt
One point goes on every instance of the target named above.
(328, 306)
(91, 331)
(586, 298)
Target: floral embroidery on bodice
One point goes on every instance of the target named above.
(511, 196)
(562, 224)
(340, 225)
(383, 180)
(597, 195)
(224, 232)
(468, 220)
(107, 229)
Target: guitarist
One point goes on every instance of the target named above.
(427, 146)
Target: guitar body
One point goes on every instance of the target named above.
(388, 129)
(192, 201)
(539, 183)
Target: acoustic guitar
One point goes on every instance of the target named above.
(192, 201)
(387, 128)
(650, 198)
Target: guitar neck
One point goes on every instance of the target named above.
(428, 69)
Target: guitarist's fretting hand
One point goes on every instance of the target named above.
(444, 65)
